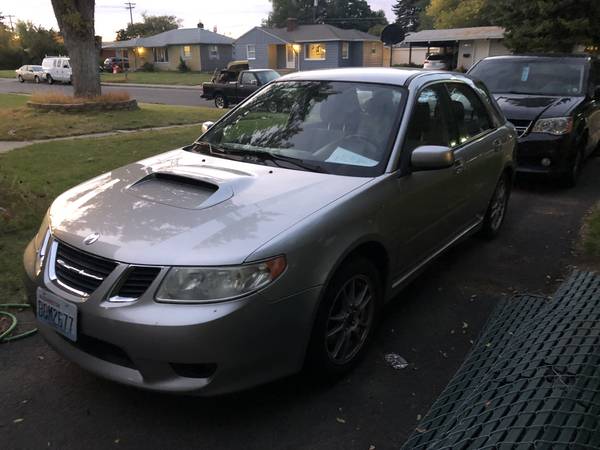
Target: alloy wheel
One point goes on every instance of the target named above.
(499, 205)
(350, 319)
(220, 102)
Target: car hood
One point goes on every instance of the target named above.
(532, 107)
(183, 208)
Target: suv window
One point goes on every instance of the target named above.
(429, 123)
(470, 115)
(247, 78)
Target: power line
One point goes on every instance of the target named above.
(9, 17)
(130, 6)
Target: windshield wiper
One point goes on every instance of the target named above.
(274, 158)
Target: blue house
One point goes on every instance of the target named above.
(307, 47)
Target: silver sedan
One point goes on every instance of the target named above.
(30, 73)
(272, 242)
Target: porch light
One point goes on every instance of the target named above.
(296, 48)
(141, 50)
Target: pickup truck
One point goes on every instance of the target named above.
(226, 92)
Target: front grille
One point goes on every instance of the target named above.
(102, 350)
(137, 281)
(522, 126)
(80, 271)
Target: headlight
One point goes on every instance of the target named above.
(214, 284)
(41, 252)
(556, 126)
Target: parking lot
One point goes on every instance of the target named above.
(48, 402)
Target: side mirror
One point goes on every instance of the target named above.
(65, 67)
(206, 125)
(254, 82)
(431, 157)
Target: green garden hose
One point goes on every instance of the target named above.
(4, 336)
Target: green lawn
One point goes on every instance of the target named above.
(19, 123)
(7, 74)
(591, 238)
(31, 177)
(171, 78)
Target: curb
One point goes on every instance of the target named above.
(197, 87)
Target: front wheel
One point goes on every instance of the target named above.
(220, 101)
(345, 320)
(49, 79)
(496, 212)
(570, 179)
(36, 79)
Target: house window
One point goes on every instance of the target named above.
(315, 51)
(345, 50)
(186, 51)
(213, 52)
(373, 49)
(160, 54)
(251, 51)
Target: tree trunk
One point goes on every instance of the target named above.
(76, 21)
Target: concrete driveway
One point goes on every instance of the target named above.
(168, 96)
(432, 325)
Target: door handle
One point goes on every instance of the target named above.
(459, 166)
(497, 145)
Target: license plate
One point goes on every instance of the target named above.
(58, 313)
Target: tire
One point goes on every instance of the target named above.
(49, 79)
(569, 179)
(496, 211)
(21, 79)
(36, 79)
(71, 79)
(342, 328)
(221, 101)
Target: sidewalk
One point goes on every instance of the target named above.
(7, 146)
(195, 87)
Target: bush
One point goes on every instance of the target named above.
(57, 97)
(182, 67)
(147, 67)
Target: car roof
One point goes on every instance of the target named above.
(542, 56)
(383, 75)
(258, 70)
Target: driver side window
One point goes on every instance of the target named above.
(429, 122)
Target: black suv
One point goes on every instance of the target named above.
(554, 102)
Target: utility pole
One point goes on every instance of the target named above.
(130, 6)
(9, 17)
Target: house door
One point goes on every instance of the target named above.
(290, 57)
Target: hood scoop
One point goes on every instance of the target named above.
(181, 191)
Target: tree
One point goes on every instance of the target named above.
(460, 13)
(150, 26)
(355, 14)
(11, 54)
(76, 22)
(548, 25)
(303, 10)
(37, 42)
(408, 14)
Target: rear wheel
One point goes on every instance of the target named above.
(345, 320)
(36, 79)
(49, 79)
(220, 101)
(496, 212)
(20, 78)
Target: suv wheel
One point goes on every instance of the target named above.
(36, 79)
(496, 212)
(220, 101)
(49, 79)
(570, 178)
(345, 319)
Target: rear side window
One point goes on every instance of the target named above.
(429, 122)
(247, 78)
(470, 114)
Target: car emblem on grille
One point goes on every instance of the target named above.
(89, 240)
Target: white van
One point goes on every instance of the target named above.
(57, 68)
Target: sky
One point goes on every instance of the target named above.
(231, 17)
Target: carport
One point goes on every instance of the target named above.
(466, 45)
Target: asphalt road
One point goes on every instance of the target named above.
(431, 324)
(169, 96)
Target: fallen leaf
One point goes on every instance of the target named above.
(19, 420)
(421, 430)
(340, 420)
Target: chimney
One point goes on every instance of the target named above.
(292, 23)
(201, 25)
(215, 29)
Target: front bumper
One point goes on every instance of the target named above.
(534, 147)
(203, 349)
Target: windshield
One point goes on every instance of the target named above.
(538, 77)
(335, 127)
(267, 76)
(36, 68)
